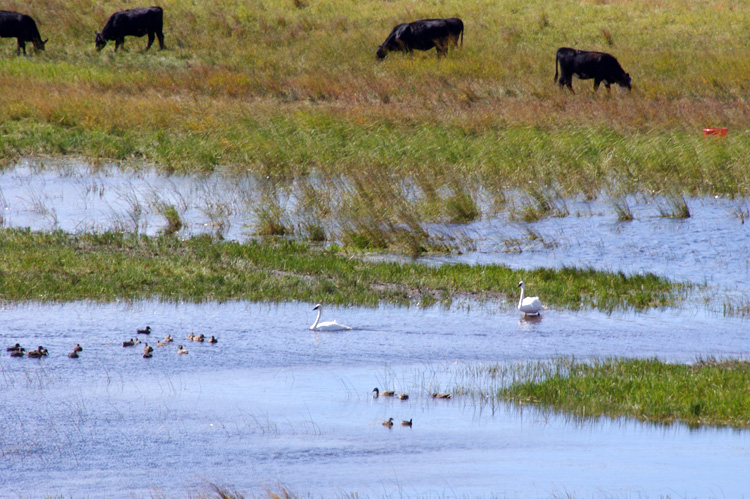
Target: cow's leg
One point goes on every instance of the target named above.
(597, 81)
(160, 36)
(441, 47)
(119, 42)
(21, 46)
(150, 40)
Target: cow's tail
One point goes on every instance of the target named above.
(557, 59)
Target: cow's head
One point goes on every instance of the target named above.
(100, 41)
(382, 52)
(39, 43)
(626, 81)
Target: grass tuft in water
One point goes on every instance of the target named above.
(708, 392)
(112, 266)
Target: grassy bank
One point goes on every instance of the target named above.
(60, 267)
(705, 393)
(293, 87)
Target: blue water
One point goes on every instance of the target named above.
(275, 405)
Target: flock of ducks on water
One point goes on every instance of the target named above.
(376, 393)
(148, 351)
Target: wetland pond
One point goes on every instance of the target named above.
(273, 405)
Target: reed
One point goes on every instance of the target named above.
(115, 266)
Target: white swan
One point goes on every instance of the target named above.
(326, 326)
(529, 305)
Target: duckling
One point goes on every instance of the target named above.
(18, 353)
(199, 338)
(191, 336)
(38, 353)
(73, 354)
(168, 339)
(181, 350)
(213, 339)
(78, 348)
(147, 349)
(386, 393)
(441, 395)
(406, 423)
(136, 341)
(13, 348)
(403, 396)
(128, 343)
(388, 423)
(144, 331)
(147, 355)
(160, 344)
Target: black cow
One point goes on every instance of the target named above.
(21, 27)
(423, 35)
(133, 22)
(600, 66)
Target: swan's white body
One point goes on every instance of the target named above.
(326, 326)
(529, 305)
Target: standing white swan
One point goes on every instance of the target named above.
(326, 326)
(529, 305)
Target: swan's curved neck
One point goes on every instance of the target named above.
(317, 319)
(520, 300)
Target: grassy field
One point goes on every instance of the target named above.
(705, 393)
(107, 267)
(292, 88)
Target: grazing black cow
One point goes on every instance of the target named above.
(600, 66)
(21, 27)
(133, 22)
(423, 35)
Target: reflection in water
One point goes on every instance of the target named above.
(274, 403)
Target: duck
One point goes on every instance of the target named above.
(385, 393)
(531, 305)
(160, 344)
(199, 338)
(213, 339)
(441, 395)
(38, 353)
(148, 349)
(406, 423)
(73, 354)
(326, 326)
(15, 347)
(403, 396)
(78, 348)
(191, 336)
(168, 339)
(388, 423)
(128, 343)
(18, 353)
(181, 350)
(144, 331)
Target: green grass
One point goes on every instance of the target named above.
(705, 393)
(113, 266)
(290, 88)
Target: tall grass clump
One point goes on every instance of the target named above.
(708, 392)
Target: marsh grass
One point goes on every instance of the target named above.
(708, 392)
(280, 99)
(674, 207)
(115, 266)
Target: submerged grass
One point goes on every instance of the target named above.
(112, 266)
(705, 393)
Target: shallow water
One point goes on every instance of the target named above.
(711, 247)
(274, 404)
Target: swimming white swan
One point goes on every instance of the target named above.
(529, 305)
(326, 326)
